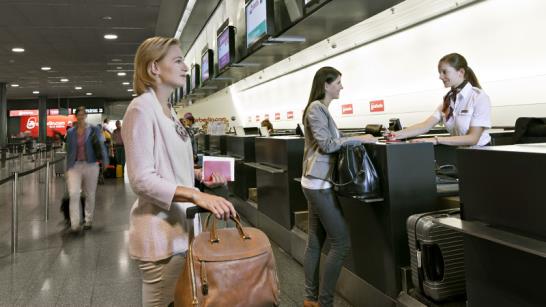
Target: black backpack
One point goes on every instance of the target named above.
(355, 174)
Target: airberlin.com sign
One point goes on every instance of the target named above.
(55, 124)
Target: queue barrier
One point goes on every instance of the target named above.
(14, 178)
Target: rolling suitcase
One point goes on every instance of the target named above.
(227, 267)
(437, 256)
(60, 167)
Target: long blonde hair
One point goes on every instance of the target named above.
(151, 50)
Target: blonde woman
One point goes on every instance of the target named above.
(160, 169)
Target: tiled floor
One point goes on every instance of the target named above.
(53, 268)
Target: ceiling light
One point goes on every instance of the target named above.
(134, 95)
(15, 85)
(106, 18)
(126, 83)
(121, 74)
(64, 80)
(116, 60)
(119, 67)
(77, 87)
(110, 36)
(129, 89)
(46, 68)
(88, 94)
(18, 49)
(35, 92)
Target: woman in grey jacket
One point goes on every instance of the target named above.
(322, 141)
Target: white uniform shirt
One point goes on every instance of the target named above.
(471, 108)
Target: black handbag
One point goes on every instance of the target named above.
(355, 173)
(97, 146)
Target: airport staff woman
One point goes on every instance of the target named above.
(465, 112)
(322, 141)
(160, 169)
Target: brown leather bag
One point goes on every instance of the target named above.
(228, 267)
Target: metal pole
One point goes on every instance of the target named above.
(47, 192)
(21, 162)
(14, 214)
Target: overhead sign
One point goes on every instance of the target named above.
(19, 113)
(55, 124)
(257, 118)
(347, 109)
(266, 116)
(377, 106)
(90, 110)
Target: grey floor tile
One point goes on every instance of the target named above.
(118, 294)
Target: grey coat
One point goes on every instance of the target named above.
(321, 142)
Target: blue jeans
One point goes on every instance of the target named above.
(325, 219)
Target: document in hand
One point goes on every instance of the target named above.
(224, 166)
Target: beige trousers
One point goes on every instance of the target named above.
(159, 280)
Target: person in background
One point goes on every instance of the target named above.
(188, 121)
(82, 168)
(119, 149)
(465, 111)
(266, 123)
(325, 219)
(105, 125)
(161, 171)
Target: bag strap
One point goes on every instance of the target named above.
(214, 233)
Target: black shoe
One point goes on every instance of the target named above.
(87, 226)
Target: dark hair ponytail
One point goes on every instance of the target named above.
(458, 62)
(325, 74)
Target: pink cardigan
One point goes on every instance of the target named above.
(158, 161)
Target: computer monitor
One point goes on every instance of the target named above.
(260, 22)
(394, 124)
(225, 43)
(207, 65)
(195, 77)
(251, 130)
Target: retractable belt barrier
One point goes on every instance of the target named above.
(14, 177)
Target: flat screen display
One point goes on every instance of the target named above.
(256, 21)
(195, 77)
(224, 57)
(205, 67)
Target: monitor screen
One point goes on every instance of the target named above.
(224, 56)
(195, 76)
(188, 85)
(256, 21)
(205, 66)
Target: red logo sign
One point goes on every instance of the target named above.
(290, 114)
(347, 109)
(31, 123)
(55, 124)
(257, 118)
(377, 106)
(14, 113)
(277, 116)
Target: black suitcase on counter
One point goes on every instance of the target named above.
(437, 256)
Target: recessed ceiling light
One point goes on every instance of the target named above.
(134, 95)
(121, 74)
(18, 49)
(129, 89)
(77, 87)
(110, 36)
(64, 80)
(126, 83)
(106, 18)
(88, 94)
(119, 67)
(116, 60)
(46, 68)
(14, 85)
(35, 92)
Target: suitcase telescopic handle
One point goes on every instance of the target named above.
(192, 211)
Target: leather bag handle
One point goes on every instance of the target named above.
(214, 233)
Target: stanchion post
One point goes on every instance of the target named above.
(14, 215)
(21, 162)
(47, 191)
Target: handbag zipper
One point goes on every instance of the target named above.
(194, 302)
(204, 283)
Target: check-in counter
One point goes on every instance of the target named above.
(378, 228)
(202, 143)
(278, 162)
(242, 149)
(503, 212)
(217, 145)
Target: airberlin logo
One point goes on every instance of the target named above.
(377, 106)
(347, 109)
(31, 123)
